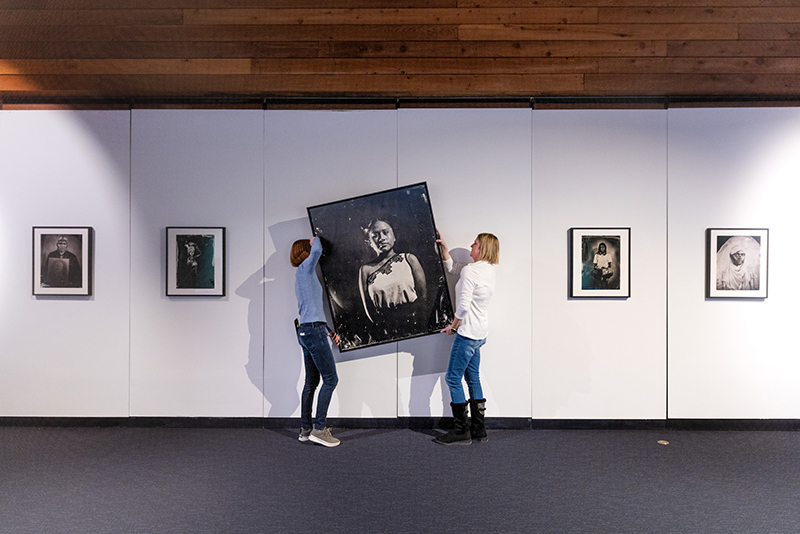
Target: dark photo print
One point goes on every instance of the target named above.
(62, 260)
(61, 264)
(381, 267)
(195, 261)
(600, 256)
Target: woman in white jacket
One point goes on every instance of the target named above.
(471, 326)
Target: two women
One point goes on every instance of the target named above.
(471, 327)
(473, 294)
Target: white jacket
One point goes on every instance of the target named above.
(473, 292)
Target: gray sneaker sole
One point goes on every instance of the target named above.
(315, 439)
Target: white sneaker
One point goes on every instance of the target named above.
(304, 434)
(323, 437)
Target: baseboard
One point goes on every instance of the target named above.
(598, 424)
(734, 424)
(414, 423)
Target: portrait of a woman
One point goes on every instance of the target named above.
(392, 285)
(382, 272)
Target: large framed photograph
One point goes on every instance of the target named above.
(62, 260)
(381, 266)
(600, 264)
(737, 261)
(195, 262)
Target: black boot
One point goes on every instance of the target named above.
(477, 427)
(460, 433)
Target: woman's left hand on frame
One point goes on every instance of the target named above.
(449, 330)
(452, 328)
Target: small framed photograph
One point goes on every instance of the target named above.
(195, 262)
(381, 267)
(737, 261)
(600, 265)
(62, 260)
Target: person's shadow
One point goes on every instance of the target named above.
(430, 356)
(270, 367)
(275, 359)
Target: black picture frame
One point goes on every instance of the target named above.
(600, 263)
(62, 260)
(725, 247)
(376, 294)
(195, 260)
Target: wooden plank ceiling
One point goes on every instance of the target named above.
(95, 49)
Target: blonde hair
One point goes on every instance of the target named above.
(300, 251)
(490, 248)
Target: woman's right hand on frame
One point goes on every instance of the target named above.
(443, 250)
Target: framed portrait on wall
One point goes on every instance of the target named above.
(737, 261)
(600, 262)
(195, 262)
(62, 260)
(381, 267)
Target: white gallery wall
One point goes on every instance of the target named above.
(599, 358)
(733, 169)
(527, 176)
(64, 356)
(196, 356)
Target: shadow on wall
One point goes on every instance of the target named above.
(274, 360)
(430, 358)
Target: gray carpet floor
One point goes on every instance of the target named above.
(194, 480)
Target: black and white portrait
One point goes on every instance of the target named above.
(61, 265)
(194, 266)
(738, 265)
(381, 267)
(600, 265)
(195, 261)
(600, 256)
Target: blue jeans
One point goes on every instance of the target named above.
(465, 359)
(319, 362)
